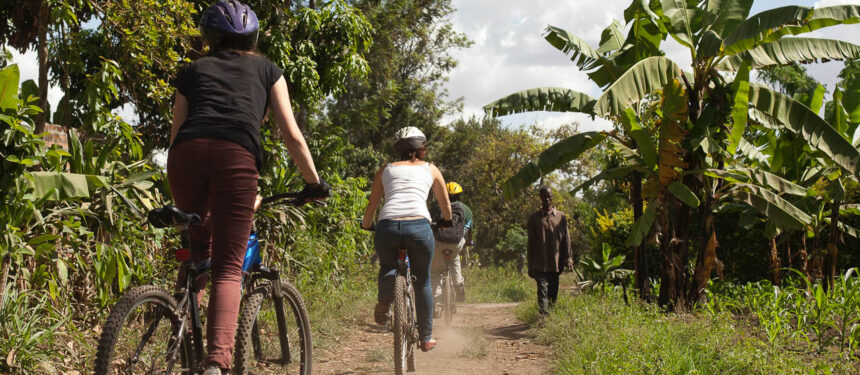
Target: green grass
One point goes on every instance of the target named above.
(497, 285)
(599, 334)
(333, 310)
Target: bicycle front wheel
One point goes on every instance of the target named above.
(274, 336)
(141, 336)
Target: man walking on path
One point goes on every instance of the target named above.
(548, 249)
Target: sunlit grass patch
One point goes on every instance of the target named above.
(496, 284)
(378, 355)
(475, 344)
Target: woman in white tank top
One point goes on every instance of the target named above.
(404, 222)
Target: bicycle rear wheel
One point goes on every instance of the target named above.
(447, 299)
(141, 336)
(401, 325)
(274, 337)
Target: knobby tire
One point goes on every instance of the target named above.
(401, 326)
(163, 307)
(250, 354)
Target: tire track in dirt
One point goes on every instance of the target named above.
(484, 339)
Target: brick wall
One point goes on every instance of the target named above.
(56, 136)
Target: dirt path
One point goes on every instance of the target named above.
(484, 339)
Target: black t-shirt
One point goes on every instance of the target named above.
(228, 94)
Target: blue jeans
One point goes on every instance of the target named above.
(417, 237)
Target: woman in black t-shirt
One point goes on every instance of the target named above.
(215, 155)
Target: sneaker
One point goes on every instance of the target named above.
(428, 345)
(212, 370)
(380, 313)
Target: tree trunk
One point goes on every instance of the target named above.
(788, 250)
(803, 258)
(707, 256)
(42, 50)
(774, 262)
(681, 245)
(674, 223)
(829, 269)
(639, 257)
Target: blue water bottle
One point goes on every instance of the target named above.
(252, 254)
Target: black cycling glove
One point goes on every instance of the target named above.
(442, 223)
(314, 192)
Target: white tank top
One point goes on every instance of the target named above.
(406, 189)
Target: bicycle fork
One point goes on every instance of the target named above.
(274, 277)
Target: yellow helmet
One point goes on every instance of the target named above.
(454, 188)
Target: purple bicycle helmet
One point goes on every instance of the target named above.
(230, 18)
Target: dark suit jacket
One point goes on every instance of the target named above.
(549, 241)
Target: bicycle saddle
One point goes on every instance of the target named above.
(171, 215)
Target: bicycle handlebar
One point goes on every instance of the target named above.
(288, 195)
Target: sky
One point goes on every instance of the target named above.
(509, 53)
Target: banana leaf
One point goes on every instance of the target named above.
(66, 186)
(790, 50)
(642, 226)
(724, 15)
(552, 99)
(778, 210)
(9, 78)
(682, 18)
(773, 24)
(637, 83)
(740, 108)
(799, 119)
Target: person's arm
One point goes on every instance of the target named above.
(441, 193)
(373, 203)
(279, 102)
(180, 114)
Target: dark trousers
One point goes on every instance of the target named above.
(417, 237)
(217, 180)
(547, 290)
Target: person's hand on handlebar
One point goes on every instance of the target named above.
(314, 192)
(442, 223)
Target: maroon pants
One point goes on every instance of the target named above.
(217, 180)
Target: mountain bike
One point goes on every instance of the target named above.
(152, 331)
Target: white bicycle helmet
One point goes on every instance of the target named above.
(409, 132)
(408, 139)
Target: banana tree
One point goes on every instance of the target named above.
(704, 130)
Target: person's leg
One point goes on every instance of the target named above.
(189, 185)
(457, 272)
(542, 292)
(386, 241)
(553, 287)
(420, 243)
(232, 191)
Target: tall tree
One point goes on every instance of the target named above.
(409, 63)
